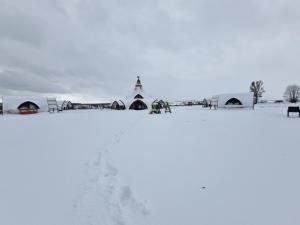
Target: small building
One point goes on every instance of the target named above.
(118, 105)
(24, 105)
(64, 105)
(52, 105)
(235, 100)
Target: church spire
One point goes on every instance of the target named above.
(138, 85)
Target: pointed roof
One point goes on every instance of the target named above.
(138, 89)
(138, 85)
(138, 94)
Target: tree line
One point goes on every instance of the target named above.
(291, 94)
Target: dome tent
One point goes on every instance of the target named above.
(235, 100)
(64, 105)
(24, 104)
(118, 105)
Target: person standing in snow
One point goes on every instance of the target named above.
(167, 108)
(155, 108)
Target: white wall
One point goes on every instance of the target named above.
(245, 98)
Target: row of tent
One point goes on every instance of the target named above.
(138, 100)
(137, 104)
(31, 105)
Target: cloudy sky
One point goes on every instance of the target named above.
(183, 49)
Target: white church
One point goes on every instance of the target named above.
(138, 100)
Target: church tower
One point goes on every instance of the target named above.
(138, 85)
(138, 89)
(138, 98)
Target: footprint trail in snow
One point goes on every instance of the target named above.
(104, 201)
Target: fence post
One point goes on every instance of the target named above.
(2, 110)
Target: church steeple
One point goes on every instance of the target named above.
(138, 85)
(138, 100)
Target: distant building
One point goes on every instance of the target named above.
(90, 105)
(235, 100)
(64, 105)
(24, 105)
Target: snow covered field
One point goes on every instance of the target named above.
(192, 167)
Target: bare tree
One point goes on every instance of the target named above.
(292, 93)
(257, 87)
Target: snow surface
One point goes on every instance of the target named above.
(192, 167)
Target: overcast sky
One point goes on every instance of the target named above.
(182, 49)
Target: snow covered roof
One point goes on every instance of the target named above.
(11, 103)
(128, 101)
(238, 95)
(60, 103)
(138, 90)
(120, 102)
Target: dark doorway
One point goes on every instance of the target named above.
(138, 96)
(138, 105)
(28, 108)
(28, 105)
(233, 101)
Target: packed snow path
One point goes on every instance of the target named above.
(192, 167)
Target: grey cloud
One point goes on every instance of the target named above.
(182, 49)
(20, 81)
(19, 26)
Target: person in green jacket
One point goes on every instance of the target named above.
(167, 108)
(154, 108)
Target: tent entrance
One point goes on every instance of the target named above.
(28, 108)
(234, 102)
(138, 105)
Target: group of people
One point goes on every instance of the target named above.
(157, 106)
